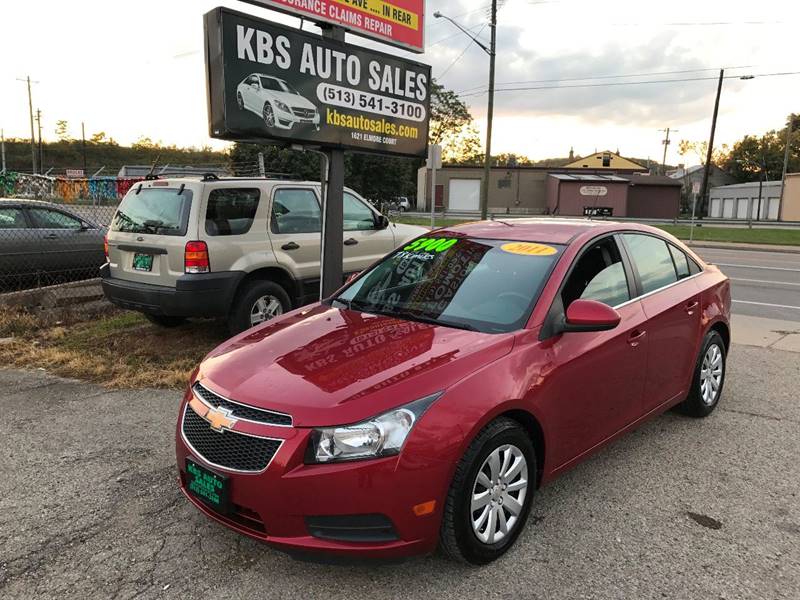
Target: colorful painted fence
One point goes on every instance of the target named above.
(67, 190)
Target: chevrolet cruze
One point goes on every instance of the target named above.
(424, 403)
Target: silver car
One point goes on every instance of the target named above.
(43, 244)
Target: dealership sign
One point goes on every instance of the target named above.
(268, 82)
(396, 22)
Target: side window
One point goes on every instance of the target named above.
(652, 259)
(295, 211)
(12, 218)
(356, 215)
(231, 211)
(681, 262)
(598, 275)
(53, 219)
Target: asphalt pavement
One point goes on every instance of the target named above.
(763, 283)
(680, 508)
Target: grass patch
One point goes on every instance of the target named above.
(742, 235)
(117, 348)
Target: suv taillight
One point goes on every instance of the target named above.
(195, 258)
(105, 246)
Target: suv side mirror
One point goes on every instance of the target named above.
(382, 222)
(590, 315)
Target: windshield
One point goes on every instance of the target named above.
(470, 283)
(277, 85)
(154, 210)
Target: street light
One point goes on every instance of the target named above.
(490, 109)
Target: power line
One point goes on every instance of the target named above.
(619, 83)
(457, 34)
(464, 51)
(595, 77)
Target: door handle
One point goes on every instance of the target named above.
(690, 306)
(290, 246)
(350, 242)
(50, 236)
(636, 336)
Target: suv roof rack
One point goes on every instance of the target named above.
(150, 177)
(210, 177)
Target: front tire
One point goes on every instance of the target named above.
(240, 100)
(268, 115)
(491, 494)
(709, 377)
(256, 303)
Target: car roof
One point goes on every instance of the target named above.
(551, 230)
(32, 202)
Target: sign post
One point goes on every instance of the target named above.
(695, 192)
(276, 84)
(434, 162)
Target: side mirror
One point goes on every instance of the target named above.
(590, 315)
(382, 222)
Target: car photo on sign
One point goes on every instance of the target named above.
(276, 102)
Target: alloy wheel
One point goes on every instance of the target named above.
(264, 309)
(269, 116)
(240, 101)
(711, 374)
(498, 494)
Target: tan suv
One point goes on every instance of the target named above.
(243, 249)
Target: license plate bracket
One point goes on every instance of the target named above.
(211, 488)
(142, 262)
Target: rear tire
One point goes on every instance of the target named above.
(479, 488)
(265, 297)
(708, 379)
(164, 321)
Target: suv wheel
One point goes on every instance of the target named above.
(163, 321)
(257, 302)
(490, 497)
(709, 377)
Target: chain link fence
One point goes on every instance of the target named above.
(52, 237)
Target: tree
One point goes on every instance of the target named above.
(98, 138)
(452, 126)
(752, 155)
(62, 130)
(700, 151)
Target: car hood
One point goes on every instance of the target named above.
(292, 100)
(330, 366)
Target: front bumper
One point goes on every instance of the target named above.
(200, 295)
(275, 505)
(288, 120)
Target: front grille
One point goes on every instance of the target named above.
(228, 449)
(242, 411)
(305, 113)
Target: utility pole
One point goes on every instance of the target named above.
(666, 143)
(83, 147)
(789, 127)
(39, 126)
(707, 166)
(30, 112)
(487, 166)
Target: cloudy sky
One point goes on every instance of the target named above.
(135, 69)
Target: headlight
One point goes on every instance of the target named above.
(282, 106)
(383, 435)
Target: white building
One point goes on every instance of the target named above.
(739, 200)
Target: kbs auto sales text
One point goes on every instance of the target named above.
(317, 61)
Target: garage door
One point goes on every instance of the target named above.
(464, 194)
(716, 207)
(741, 207)
(727, 208)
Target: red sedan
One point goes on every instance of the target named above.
(424, 403)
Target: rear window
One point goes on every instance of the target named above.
(231, 211)
(160, 211)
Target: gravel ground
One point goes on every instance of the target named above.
(678, 509)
